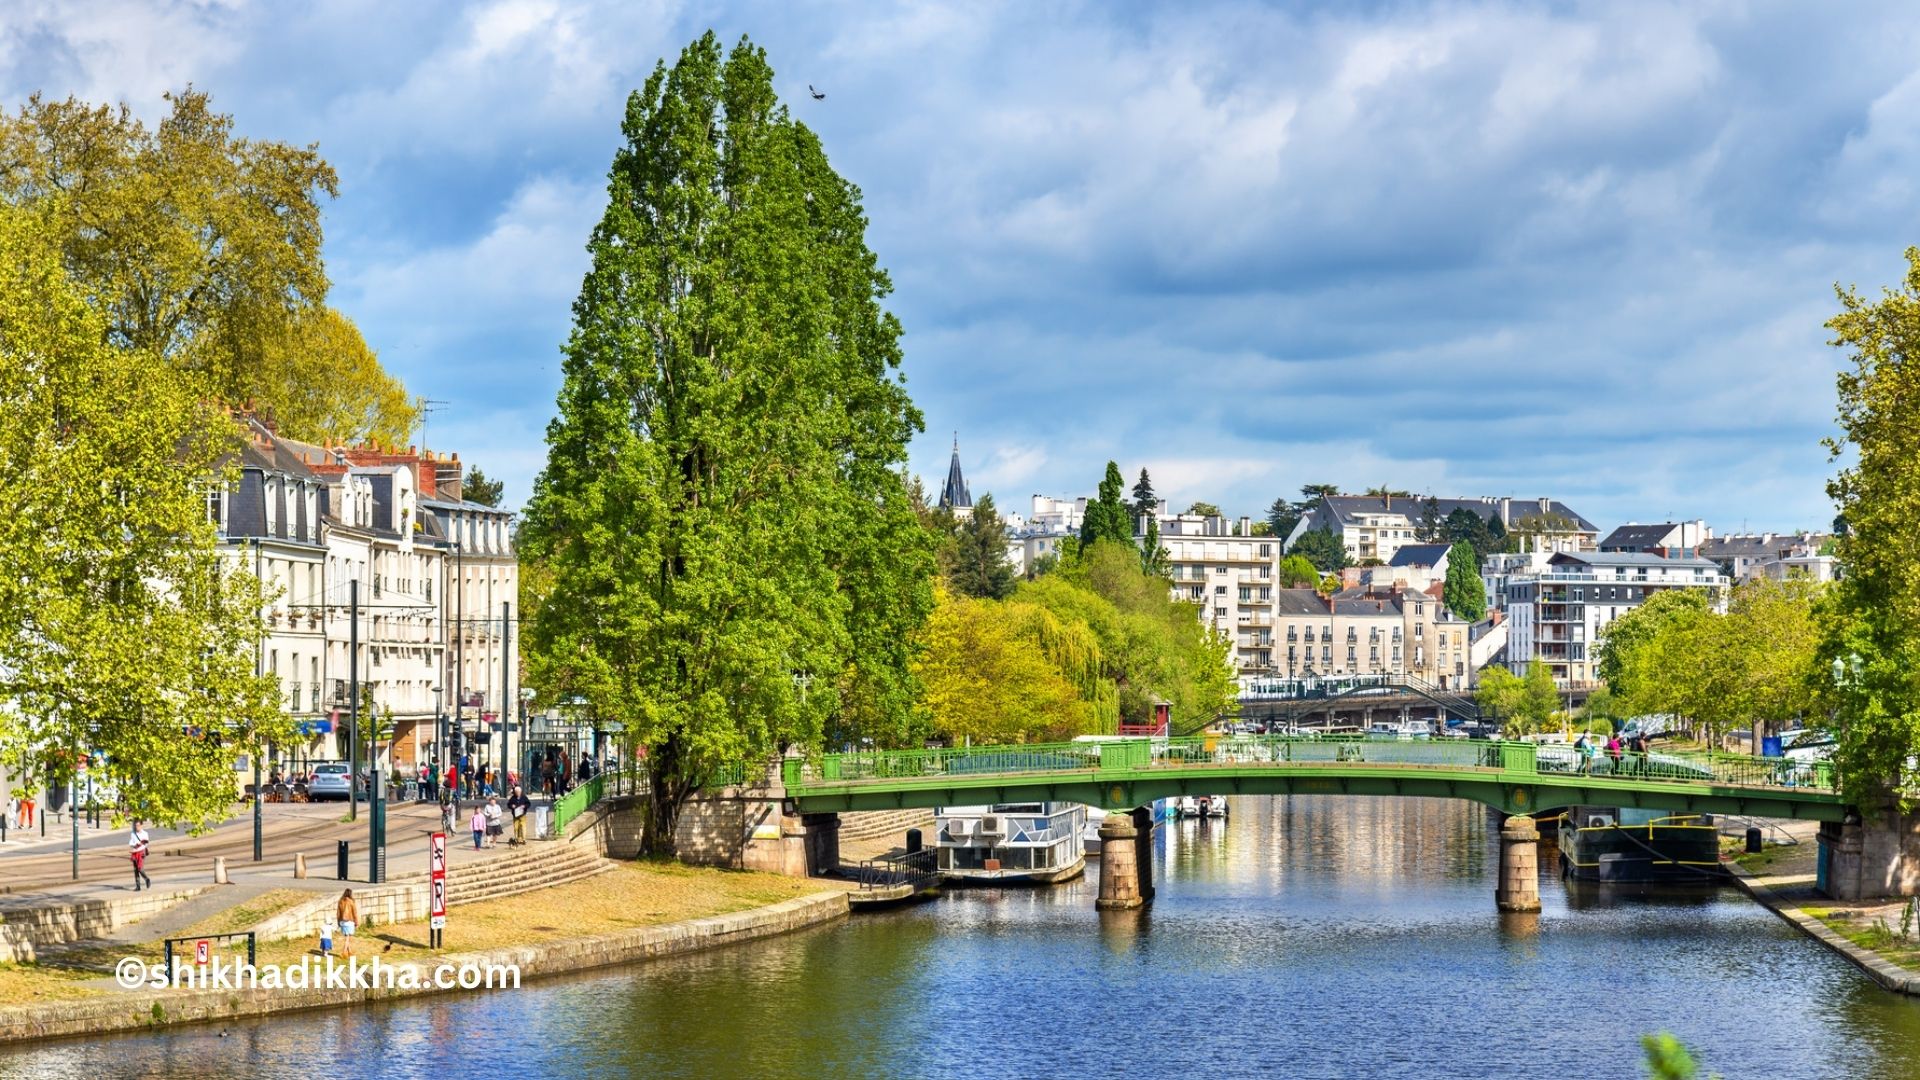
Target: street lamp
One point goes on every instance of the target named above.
(436, 759)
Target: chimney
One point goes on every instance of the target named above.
(1246, 525)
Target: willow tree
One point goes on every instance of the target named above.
(736, 567)
(124, 636)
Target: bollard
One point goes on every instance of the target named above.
(220, 870)
(1753, 840)
(341, 870)
(300, 864)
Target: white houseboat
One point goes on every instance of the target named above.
(1036, 843)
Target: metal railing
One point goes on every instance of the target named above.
(1509, 757)
(916, 869)
(570, 806)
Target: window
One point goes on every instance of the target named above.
(1246, 594)
(1326, 654)
(1220, 612)
(1353, 654)
(1219, 590)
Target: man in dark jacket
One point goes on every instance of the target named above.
(519, 805)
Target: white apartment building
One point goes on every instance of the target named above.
(1744, 557)
(1554, 617)
(1232, 578)
(270, 523)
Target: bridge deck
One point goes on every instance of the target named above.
(1518, 777)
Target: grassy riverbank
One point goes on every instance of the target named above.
(1868, 931)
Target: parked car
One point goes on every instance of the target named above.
(330, 781)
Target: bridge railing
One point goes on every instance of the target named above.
(1512, 758)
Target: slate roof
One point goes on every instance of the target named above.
(1420, 554)
(1638, 537)
(1298, 602)
(954, 493)
(1346, 508)
(1628, 558)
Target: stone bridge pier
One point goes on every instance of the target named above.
(749, 826)
(1870, 855)
(1126, 860)
(1519, 888)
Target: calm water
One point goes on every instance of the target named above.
(1310, 937)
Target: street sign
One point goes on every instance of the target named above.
(437, 922)
(437, 900)
(203, 952)
(437, 855)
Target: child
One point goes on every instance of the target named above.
(326, 938)
(479, 826)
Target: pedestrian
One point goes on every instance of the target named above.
(326, 937)
(26, 812)
(348, 914)
(453, 781)
(137, 844)
(518, 804)
(494, 826)
(1613, 750)
(546, 777)
(1640, 747)
(479, 826)
(425, 794)
(1580, 750)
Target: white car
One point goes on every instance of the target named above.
(330, 781)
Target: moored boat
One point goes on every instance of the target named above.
(1034, 843)
(1628, 845)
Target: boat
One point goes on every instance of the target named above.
(1212, 806)
(1033, 843)
(1090, 832)
(1189, 806)
(1628, 845)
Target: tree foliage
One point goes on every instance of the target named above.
(1522, 704)
(1869, 656)
(1144, 500)
(203, 250)
(1323, 549)
(979, 565)
(1204, 509)
(479, 488)
(1431, 528)
(1151, 645)
(1003, 673)
(1464, 593)
(737, 565)
(1753, 665)
(1298, 572)
(1108, 515)
(123, 633)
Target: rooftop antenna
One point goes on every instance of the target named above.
(428, 406)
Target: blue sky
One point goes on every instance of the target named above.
(1579, 250)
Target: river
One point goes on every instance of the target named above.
(1310, 936)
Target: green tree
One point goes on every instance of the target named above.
(478, 488)
(1298, 572)
(993, 673)
(1144, 500)
(1465, 526)
(1870, 638)
(1522, 704)
(1204, 509)
(1497, 539)
(1634, 649)
(1108, 516)
(1465, 594)
(1282, 516)
(1323, 549)
(1431, 528)
(980, 566)
(1384, 492)
(1154, 559)
(1546, 527)
(737, 564)
(123, 632)
(204, 250)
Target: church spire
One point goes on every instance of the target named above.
(954, 496)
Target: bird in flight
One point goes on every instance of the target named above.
(817, 95)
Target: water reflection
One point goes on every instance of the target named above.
(1304, 936)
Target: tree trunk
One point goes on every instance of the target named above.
(667, 791)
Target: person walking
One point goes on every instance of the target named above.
(494, 827)
(478, 823)
(518, 805)
(137, 844)
(347, 914)
(1581, 749)
(1613, 750)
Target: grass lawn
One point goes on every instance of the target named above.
(31, 984)
(1880, 934)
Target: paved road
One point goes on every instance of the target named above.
(31, 864)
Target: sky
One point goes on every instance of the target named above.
(1533, 249)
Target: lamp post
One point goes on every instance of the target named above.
(437, 759)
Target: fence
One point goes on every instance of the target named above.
(912, 868)
(168, 943)
(1137, 754)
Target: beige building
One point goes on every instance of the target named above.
(1357, 632)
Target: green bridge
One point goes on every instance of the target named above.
(1118, 774)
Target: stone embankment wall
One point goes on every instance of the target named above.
(126, 1011)
(29, 923)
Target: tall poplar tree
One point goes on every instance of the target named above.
(737, 567)
(1108, 515)
(980, 567)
